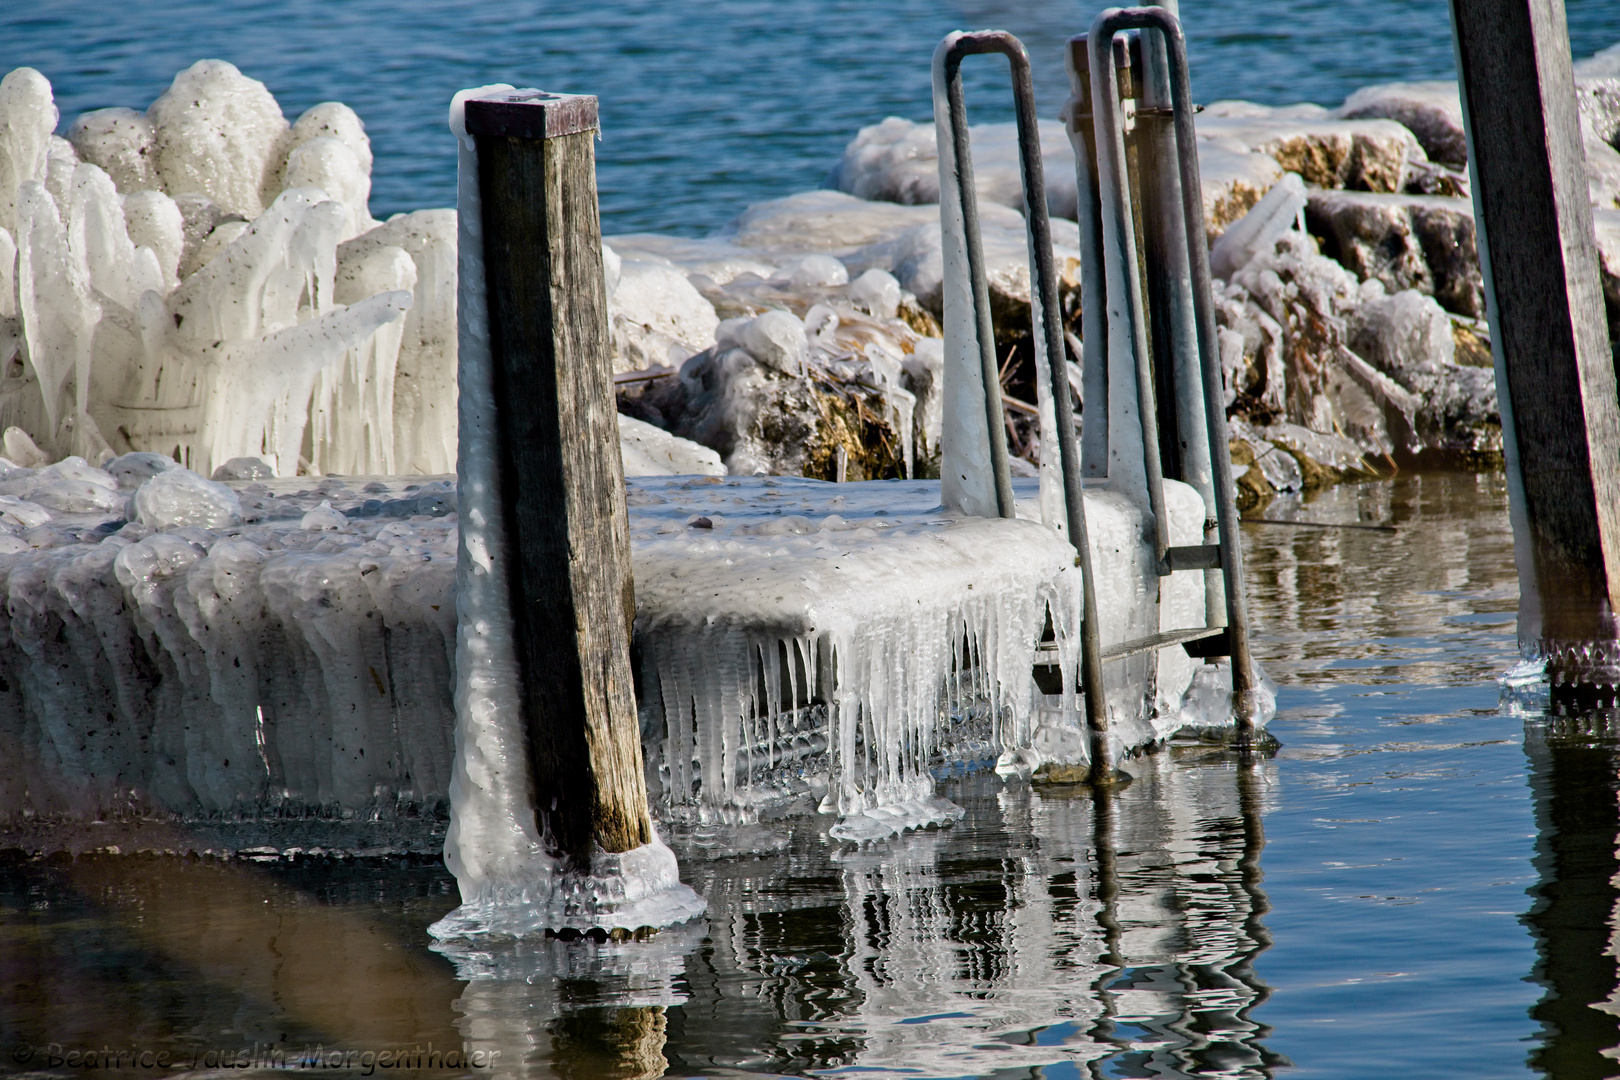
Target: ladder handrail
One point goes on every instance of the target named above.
(1047, 313)
(1107, 24)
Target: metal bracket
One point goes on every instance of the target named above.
(1199, 557)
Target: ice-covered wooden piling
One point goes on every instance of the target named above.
(550, 827)
(1555, 375)
(562, 483)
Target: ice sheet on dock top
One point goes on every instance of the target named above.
(795, 550)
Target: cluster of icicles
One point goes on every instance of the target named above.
(205, 280)
(171, 645)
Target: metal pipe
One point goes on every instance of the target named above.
(1114, 187)
(1047, 316)
(1184, 433)
(1093, 300)
(966, 45)
(1109, 23)
(1047, 323)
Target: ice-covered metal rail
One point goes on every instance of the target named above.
(1113, 240)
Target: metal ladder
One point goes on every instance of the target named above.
(1229, 638)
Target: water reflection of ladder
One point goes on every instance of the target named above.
(1103, 184)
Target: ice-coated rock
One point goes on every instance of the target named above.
(1234, 179)
(657, 316)
(1607, 224)
(1276, 464)
(136, 468)
(22, 513)
(1259, 229)
(812, 271)
(1322, 449)
(776, 339)
(1605, 63)
(71, 486)
(897, 161)
(902, 240)
(120, 141)
(1284, 352)
(22, 450)
(876, 292)
(178, 497)
(849, 391)
(1598, 100)
(324, 518)
(244, 468)
(1431, 111)
(1365, 155)
(1422, 242)
(652, 451)
(715, 258)
(1603, 173)
(1409, 337)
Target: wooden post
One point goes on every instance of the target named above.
(562, 480)
(1555, 375)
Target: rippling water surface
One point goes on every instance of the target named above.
(706, 108)
(1417, 881)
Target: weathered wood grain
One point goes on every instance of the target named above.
(573, 599)
(1555, 373)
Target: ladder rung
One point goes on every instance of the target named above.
(1154, 642)
(1199, 557)
(1205, 648)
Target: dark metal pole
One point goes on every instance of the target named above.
(1093, 287)
(1183, 432)
(1555, 377)
(1114, 185)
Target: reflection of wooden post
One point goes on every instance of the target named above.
(624, 1043)
(1554, 372)
(562, 494)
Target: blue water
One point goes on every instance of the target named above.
(705, 108)
(1419, 882)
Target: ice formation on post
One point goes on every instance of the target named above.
(509, 882)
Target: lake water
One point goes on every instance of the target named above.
(1418, 881)
(705, 108)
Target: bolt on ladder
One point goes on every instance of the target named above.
(1231, 637)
